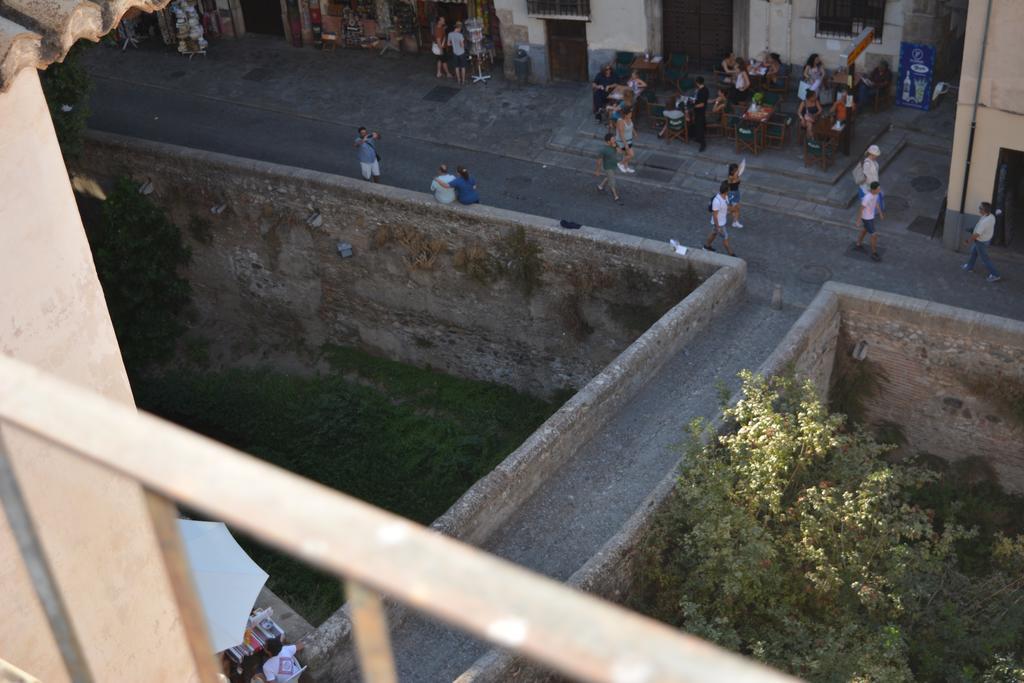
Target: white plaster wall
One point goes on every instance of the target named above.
(1001, 100)
(789, 29)
(618, 25)
(92, 524)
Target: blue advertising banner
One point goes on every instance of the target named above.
(917, 71)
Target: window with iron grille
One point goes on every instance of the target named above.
(558, 8)
(847, 18)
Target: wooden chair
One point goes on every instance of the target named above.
(771, 99)
(819, 152)
(676, 74)
(331, 32)
(678, 129)
(730, 121)
(781, 84)
(748, 136)
(882, 95)
(657, 114)
(715, 125)
(776, 129)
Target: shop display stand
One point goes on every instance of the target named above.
(188, 28)
(476, 48)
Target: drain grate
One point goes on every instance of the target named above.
(922, 225)
(926, 183)
(441, 93)
(669, 163)
(259, 74)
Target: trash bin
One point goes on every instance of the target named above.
(522, 65)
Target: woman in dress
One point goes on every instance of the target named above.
(439, 46)
(774, 65)
(814, 72)
(636, 84)
(809, 112)
(741, 88)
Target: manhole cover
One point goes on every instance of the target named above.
(926, 183)
(259, 74)
(176, 74)
(814, 274)
(664, 161)
(922, 225)
(441, 93)
(895, 204)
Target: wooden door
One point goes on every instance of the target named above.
(700, 29)
(567, 50)
(263, 16)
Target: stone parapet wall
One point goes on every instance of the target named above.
(427, 284)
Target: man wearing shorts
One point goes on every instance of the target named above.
(366, 152)
(459, 59)
(866, 216)
(719, 218)
(607, 160)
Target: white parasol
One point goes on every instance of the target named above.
(226, 579)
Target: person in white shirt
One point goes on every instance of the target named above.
(869, 211)
(719, 218)
(979, 240)
(459, 59)
(870, 167)
(441, 186)
(281, 665)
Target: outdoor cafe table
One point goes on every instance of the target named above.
(651, 71)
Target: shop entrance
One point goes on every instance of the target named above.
(567, 50)
(1008, 196)
(263, 16)
(430, 11)
(700, 29)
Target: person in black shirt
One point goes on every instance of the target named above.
(602, 84)
(700, 106)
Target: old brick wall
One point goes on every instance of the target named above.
(267, 283)
(947, 371)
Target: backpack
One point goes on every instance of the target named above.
(711, 204)
(858, 173)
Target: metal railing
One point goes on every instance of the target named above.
(372, 551)
(558, 8)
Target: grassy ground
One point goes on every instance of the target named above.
(409, 440)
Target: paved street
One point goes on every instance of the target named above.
(262, 99)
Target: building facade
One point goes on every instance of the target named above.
(988, 145)
(562, 35)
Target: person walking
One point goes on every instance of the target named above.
(439, 46)
(366, 152)
(700, 110)
(868, 213)
(868, 170)
(719, 217)
(441, 185)
(735, 171)
(457, 41)
(981, 237)
(607, 160)
(625, 133)
(465, 187)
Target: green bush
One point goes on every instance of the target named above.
(791, 539)
(138, 251)
(67, 85)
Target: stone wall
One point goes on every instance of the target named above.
(945, 372)
(430, 285)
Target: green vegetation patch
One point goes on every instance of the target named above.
(794, 540)
(409, 440)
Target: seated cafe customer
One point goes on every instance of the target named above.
(876, 82)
